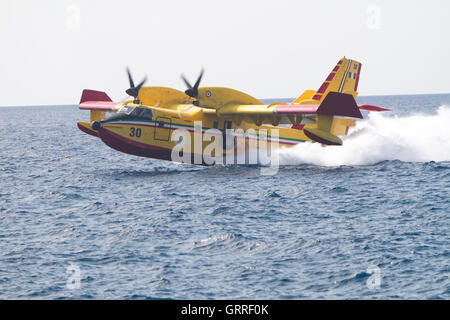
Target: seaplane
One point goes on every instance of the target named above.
(150, 124)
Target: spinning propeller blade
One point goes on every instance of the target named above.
(192, 91)
(134, 91)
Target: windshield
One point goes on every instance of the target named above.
(142, 112)
(127, 112)
(126, 109)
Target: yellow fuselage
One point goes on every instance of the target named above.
(153, 136)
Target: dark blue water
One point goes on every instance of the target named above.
(367, 221)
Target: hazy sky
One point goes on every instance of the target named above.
(51, 50)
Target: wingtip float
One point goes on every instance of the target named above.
(144, 126)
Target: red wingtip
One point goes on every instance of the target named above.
(369, 107)
(93, 95)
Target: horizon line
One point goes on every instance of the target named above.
(376, 95)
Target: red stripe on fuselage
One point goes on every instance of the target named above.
(122, 144)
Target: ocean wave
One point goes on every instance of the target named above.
(417, 137)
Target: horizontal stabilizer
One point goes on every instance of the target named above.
(339, 104)
(334, 104)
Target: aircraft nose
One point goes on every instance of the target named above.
(96, 125)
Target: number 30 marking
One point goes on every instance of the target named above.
(135, 132)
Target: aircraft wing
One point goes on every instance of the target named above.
(312, 108)
(335, 104)
(264, 110)
(98, 105)
(275, 114)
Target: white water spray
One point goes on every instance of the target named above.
(412, 138)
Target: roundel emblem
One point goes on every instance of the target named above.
(208, 93)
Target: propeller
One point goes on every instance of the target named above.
(134, 91)
(192, 91)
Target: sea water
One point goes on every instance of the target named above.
(368, 220)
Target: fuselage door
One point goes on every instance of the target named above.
(163, 128)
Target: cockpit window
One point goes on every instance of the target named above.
(126, 109)
(134, 112)
(147, 113)
(142, 113)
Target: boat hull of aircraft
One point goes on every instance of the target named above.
(126, 145)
